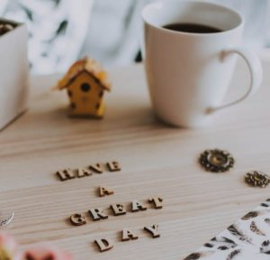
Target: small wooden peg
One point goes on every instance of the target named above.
(104, 191)
(77, 219)
(104, 244)
(114, 166)
(153, 230)
(66, 174)
(137, 206)
(118, 209)
(157, 202)
(127, 235)
(82, 172)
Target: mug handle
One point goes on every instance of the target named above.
(255, 69)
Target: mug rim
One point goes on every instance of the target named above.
(146, 21)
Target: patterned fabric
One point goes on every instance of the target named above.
(57, 30)
(62, 31)
(247, 239)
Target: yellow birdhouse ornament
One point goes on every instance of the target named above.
(85, 83)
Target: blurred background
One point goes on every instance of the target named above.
(62, 31)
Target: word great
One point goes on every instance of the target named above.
(69, 174)
(117, 209)
(106, 244)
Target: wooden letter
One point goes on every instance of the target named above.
(104, 244)
(153, 230)
(82, 172)
(96, 168)
(136, 206)
(118, 209)
(65, 174)
(157, 202)
(103, 191)
(127, 234)
(97, 214)
(113, 166)
(77, 219)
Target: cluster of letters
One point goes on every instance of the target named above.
(69, 174)
(117, 209)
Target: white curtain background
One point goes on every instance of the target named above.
(61, 31)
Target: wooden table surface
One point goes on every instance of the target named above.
(156, 160)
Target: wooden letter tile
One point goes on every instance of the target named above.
(105, 191)
(153, 230)
(136, 206)
(82, 172)
(65, 174)
(157, 202)
(127, 235)
(118, 209)
(77, 219)
(96, 168)
(97, 214)
(104, 244)
(113, 166)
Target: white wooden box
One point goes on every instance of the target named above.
(14, 72)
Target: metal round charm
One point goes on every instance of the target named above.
(257, 179)
(216, 160)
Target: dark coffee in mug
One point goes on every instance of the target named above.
(191, 28)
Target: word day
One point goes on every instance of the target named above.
(127, 234)
(118, 209)
(69, 174)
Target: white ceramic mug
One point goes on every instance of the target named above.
(188, 74)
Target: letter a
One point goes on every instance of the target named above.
(128, 234)
(82, 172)
(104, 191)
(136, 206)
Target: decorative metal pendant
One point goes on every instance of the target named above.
(257, 179)
(5, 222)
(216, 160)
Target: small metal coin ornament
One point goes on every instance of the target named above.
(257, 179)
(216, 160)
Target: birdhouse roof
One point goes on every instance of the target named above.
(90, 66)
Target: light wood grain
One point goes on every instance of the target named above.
(156, 160)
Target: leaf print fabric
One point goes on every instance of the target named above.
(247, 239)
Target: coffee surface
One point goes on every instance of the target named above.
(191, 28)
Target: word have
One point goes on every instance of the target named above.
(68, 174)
(118, 209)
(106, 244)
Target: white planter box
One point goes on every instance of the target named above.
(14, 71)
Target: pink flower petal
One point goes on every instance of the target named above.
(8, 247)
(45, 252)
